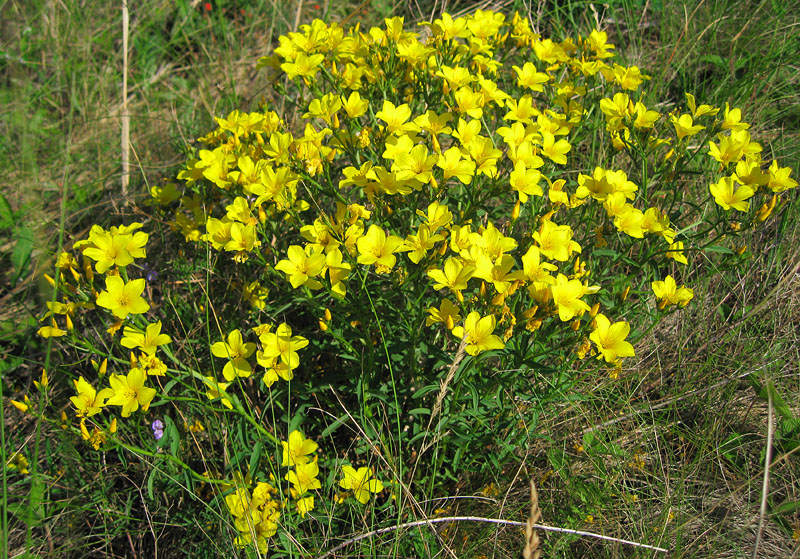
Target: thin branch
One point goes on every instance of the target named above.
(432, 521)
(765, 486)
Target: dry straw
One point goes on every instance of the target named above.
(126, 119)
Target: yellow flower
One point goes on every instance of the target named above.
(670, 294)
(418, 245)
(326, 109)
(454, 77)
(303, 66)
(595, 185)
(657, 222)
(44, 382)
(89, 402)
(779, 179)
(481, 149)
(396, 117)
(469, 102)
(376, 248)
(243, 240)
(555, 241)
(529, 78)
(454, 276)
(676, 252)
(610, 339)
(733, 119)
(305, 505)
(416, 164)
(567, 297)
(522, 110)
(51, 331)
(301, 267)
(123, 298)
(534, 270)
(766, 208)
(354, 105)
(108, 249)
(447, 313)
(629, 78)
(281, 344)
(684, 126)
(22, 406)
(454, 165)
(18, 462)
(130, 392)
(630, 222)
(467, 131)
(237, 351)
(304, 477)
(702, 110)
(437, 215)
(498, 273)
(478, 332)
(525, 181)
(644, 118)
(147, 341)
(727, 197)
(217, 390)
(554, 150)
(297, 449)
(338, 271)
(360, 483)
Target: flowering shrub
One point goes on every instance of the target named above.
(430, 244)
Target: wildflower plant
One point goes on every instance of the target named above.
(408, 247)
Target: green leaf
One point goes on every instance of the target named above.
(169, 386)
(171, 430)
(255, 456)
(558, 459)
(424, 390)
(21, 255)
(341, 420)
(714, 59)
(6, 215)
(605, 252)
(786, 507)
(150, 481)
(719, 249)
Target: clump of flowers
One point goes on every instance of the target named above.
(428, 195)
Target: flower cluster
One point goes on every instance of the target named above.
(107, 256)
(297, 453)
(255, 514)
(427, 194)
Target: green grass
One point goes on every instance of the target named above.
(669, 454)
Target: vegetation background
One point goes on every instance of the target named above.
(673, 449)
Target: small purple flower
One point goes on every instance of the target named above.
(152, 275)
(158, 429)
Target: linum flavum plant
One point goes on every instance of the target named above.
(398, 272)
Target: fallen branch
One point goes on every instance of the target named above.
(441, 520)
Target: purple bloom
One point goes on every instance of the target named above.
(151, 274)
(158, 429)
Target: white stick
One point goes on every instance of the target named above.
(488, 520)
(126, 123)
